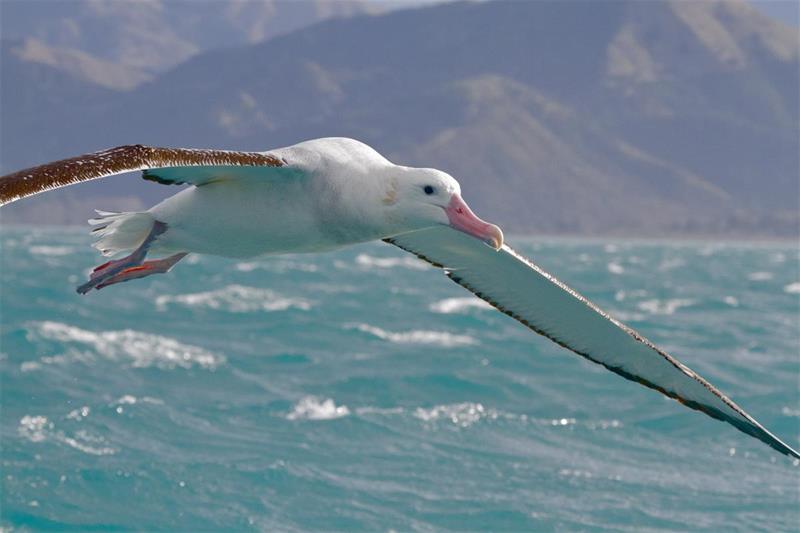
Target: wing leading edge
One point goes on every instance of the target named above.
(520, 289)
(207, 164)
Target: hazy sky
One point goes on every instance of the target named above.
(787, 11)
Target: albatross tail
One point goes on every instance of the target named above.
(120, 232)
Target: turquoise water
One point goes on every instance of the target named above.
(361, 390)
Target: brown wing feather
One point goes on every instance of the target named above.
(117, 160)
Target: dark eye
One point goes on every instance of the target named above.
(429, 190)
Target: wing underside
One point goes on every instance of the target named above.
(172, 165)
(520, 289)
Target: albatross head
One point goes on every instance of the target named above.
(425, 197)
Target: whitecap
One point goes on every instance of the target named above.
(38, 429)
(129, 399)
(461, 414)
(668, 307)
(731, 300)
(792, 288)
(235, 299)
(615, 268)
(418, 336)
(788, 411)
(276, 265)
(368, 261)
(79, 414)
(86, 443)
(143, 349)
(51, 250)
(759, 276)
(459, 305)
(312, 408)
(34, 428)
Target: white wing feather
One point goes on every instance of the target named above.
(522, 290)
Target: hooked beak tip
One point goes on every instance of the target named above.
(463, 219)
(495, 239)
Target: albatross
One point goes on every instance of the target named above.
(325, 194)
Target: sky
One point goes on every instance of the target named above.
(786, 11)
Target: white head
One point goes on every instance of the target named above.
(418, 198)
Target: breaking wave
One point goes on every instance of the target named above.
(439, 338)
(666, 307)
(142, 349)
(234, 299)
(38, 429)
(792, 288)
(459, 305)
(369, 261)
(312, 408)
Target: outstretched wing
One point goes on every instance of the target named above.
(171, 162)
(525, 292)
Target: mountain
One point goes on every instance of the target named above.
(122, 44)
(646, 118)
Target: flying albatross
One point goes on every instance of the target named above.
(328, 193)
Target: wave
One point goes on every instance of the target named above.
(615, 268)
(38, 429)
(667, 307)
(759, 276)
(276, 265)
(369, 261)
(312, 408)
(417, 336)
(234, 299)
(461, 414)
(792, 288)
(459, 305)
(52, 250)
(143, 349)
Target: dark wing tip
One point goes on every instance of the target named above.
(131, 157)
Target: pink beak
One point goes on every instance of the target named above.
(463, 219)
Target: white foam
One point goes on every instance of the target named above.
(615, 268)
(439, 338)
(759, 276)
(39, 428)
(129, 399)
(52, 250)
(667, 307)
(87, 443)
(461, 414)
(369, 261)
(143, 349)
(34, 428)
(459, 305)
(312, 408)
(235, 299)
(792, 288)
(276, 265)
(79, 414)
(731, 300)
(788, 411)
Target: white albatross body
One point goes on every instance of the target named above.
(328, 193)
(324, 202)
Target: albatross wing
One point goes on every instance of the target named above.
(207, 164)
(525, 292)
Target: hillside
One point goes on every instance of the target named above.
(667, 118)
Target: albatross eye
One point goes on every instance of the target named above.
(429, 190)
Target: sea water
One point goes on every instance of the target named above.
(362, 390)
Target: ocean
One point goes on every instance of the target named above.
(362, 390)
